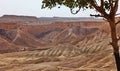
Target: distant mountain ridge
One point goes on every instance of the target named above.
(71, 19)
(18, 16)
(32, 20)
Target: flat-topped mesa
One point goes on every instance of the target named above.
(15, 16)
(19, 19)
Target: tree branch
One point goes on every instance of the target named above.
(111, 5)
(98, 15)
(75, 11)
(117, 22)
(116, 6)
(102, 4)
(95, 6)
(100, 10)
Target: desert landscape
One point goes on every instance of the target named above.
(55, 44)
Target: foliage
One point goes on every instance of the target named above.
(107, 5)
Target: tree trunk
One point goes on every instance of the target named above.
(117, 59)
(114, 44)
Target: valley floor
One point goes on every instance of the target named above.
(38, 61)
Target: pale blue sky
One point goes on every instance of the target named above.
(33, 8)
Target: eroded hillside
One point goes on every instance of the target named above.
(61, 46)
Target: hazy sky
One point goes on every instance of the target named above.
(33, 8)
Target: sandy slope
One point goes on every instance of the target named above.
(91, 53)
